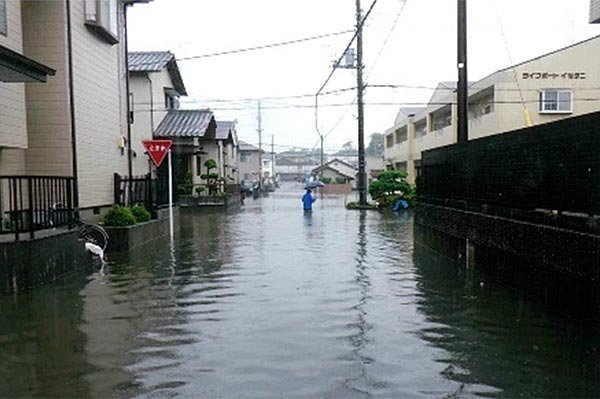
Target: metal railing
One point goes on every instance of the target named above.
(152, 193)
(32, 203)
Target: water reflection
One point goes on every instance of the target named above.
(494, 336)
(268, 301)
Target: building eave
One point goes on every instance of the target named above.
(15, 67)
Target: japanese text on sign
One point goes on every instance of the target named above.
(554, 75)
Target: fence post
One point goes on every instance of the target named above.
(117, 189)
(14, 215)
(30, 211)
(70, 182)
(148, 200)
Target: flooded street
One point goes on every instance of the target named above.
(270, 302)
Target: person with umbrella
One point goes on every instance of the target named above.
(308, 200)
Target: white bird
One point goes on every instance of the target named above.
(95, 249)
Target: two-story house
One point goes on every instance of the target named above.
(155, 84)
(75, 125)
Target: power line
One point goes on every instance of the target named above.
(255, 48)
(371, 104)
(347, 47)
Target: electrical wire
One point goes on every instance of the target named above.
(253, 48)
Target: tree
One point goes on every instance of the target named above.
(347, 150)
(390, 186)
(211, 178)
(375, 148)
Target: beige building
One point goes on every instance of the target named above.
(227, 152)
(250, 167)
(155, 85)
(557, 85)
(75, 125)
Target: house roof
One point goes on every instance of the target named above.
(338, 166)
(248, 147)
(156, 61)
(225, 130)
(185, 123)
(339, 172)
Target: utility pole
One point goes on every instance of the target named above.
(322, 156)
(260, 182)
(273, 158)
(362, 191)
(463, 83)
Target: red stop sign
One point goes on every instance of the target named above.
(157, 149)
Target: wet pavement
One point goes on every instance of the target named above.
(267, 301)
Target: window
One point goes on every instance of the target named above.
(401, 135)
(198, 165)
(245, 157)
(3, 17)
(420, 128)
(171, 101)
(389, 140)
(556, 101)
(101, 16)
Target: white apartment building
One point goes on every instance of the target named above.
(561, 84)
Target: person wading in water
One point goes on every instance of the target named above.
(308, 200)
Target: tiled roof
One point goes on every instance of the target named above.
(149, 61)
(185, 123)
(224, 129)
(156, 61)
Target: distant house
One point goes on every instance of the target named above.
(338, 171)
(227, 154)
(294, 165)
(156, 85)
(249, 162)
(191, 131)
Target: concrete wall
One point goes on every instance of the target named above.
(28, 264)
(556, 265)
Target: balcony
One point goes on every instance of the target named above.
(34, 206)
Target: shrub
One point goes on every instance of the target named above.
(140, 213)
(199, 190)
(119, 216)
(326, 180)
(185, 187)
(340, 180)
(390, 186)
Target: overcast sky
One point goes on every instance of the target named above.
(420, 51)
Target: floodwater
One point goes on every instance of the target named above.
(270, 302)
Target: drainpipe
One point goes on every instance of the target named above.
(72, 111)
(129, 160)
(151, 103)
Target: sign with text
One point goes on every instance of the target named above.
(157, 149)
(554, 75)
